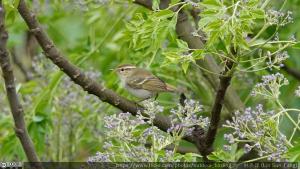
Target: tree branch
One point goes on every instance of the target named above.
(180, 149)
(205, 143)
(88, 84)
(217, 107)
(31, 45)
(14, 103)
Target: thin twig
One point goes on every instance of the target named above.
(31, 46)
(14, 103)
(20, 65)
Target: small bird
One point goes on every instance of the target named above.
(141, 83)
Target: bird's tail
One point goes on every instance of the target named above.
(171, 88)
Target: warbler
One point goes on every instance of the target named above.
(141, 82)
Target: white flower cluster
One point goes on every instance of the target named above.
(279, 18)
(151, 108)
(122, 126)
(270, 85)
(258, 130)
(129, 135)
(185, 118)
(276, 59)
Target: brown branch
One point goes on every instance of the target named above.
(195, 14)
(218, 104)
(88, 84)
(293, 72)
(205, 143)
(180, 149)
(14, 103)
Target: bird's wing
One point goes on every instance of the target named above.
(151, 83)
(155, 84)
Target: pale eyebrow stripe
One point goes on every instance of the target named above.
(127, 67)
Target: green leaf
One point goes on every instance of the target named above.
(172, 24)
(182, 44)
(204, 21)
(215, 25)
(173, 57)
(155, 4)
(191, 157)
(185, 66)
(10, 146)
(233, 155)
(294, 153)
(11, 16)
(16, 3)
(217, 156)
(211, 4)
(253, 3)
(28, 87)
(213, 38)
(245, 15)
(42, 104)
(37, 118)
(209, 13)
(258, 13)
(198, 54)
(297, 45)
(163, 14)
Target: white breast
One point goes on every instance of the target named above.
(140, 93)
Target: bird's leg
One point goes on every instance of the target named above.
(141, 100)
(156, 95)
(139, 105)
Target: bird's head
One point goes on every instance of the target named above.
(125, 70)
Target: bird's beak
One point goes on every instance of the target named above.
(114, 70)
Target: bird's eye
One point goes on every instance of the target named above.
(122, 69)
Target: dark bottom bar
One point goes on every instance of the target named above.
(168, 165)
